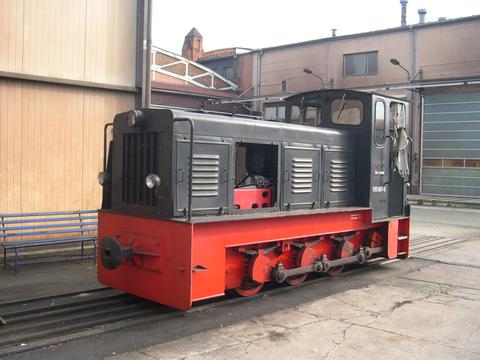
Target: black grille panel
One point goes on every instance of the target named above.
(140, 158)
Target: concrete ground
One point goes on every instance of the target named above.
(426, 307)
(429, 312)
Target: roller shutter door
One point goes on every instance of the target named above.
(451, 145)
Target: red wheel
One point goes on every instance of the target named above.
(248, 289)
(335, 271)
(306, 256)
(344, 249)
(296, 280)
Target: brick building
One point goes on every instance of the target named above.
(435, 64)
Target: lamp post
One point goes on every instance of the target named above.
(397, 63)
(410, 78)
(310, 72)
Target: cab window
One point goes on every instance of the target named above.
(380, 122)
(347, 112)
(295, 115)
(313, 116)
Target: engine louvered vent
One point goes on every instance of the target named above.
(205, 175)
(302, 175)
(338, 176)
(140, 158)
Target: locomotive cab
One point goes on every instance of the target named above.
(378, 125)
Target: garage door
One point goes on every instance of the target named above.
(451, 145)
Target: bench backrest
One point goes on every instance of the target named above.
(46, 224)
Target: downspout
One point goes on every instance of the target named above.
(416, 123)
(148, 58)
(256, 77)
(139, 55)
(420, 143)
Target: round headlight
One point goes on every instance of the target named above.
(103, 178)
(135, 118)
(152, 181)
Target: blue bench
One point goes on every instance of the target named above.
(46, 229)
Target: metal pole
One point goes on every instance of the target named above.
(148, 57)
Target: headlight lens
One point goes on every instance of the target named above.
(152, 181)
(103, 178)
(135, 118)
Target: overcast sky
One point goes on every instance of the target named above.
(264, 23)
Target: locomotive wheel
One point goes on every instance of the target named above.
(345, 249)
(248, 289)
(305, 257)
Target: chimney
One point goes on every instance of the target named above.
(334, 32)
(193, 45)
(404, 3)
(421, 15)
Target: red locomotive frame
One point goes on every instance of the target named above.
(177, 262)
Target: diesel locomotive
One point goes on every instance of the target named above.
(196, 203)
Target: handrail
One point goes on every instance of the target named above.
(105, 145)
(190, 170)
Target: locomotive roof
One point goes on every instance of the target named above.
(247, 128)
(354, 93)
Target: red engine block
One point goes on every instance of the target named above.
(252, 198)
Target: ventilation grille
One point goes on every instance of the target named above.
(205, 175)
(338, 176)
(140, 158)
(302, 175)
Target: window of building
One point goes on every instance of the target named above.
(347, 112)
(284, 86)
(274, 112)
(228, 71)
(380, 123)
(360, 64)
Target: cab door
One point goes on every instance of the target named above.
(380, 171)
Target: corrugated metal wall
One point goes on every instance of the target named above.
(451, 144)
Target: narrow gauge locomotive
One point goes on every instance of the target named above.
(197, 203)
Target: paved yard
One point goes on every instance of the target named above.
(429, 311)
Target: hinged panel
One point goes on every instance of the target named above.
(338, 177)
(210, 176)
(300, 178)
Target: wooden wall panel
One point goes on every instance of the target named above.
(51, 144)
(86, 40)
(110, 41)
(99, 108)
(54, 38)
(11, 35)
(10, 146)
(52, 124)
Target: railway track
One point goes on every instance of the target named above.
(426, 244)
(41, 322)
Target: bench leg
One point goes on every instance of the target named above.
(16, 261)
(94, 251)
(4, 258)
(82, 250)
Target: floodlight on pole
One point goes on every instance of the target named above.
(397, 63)
(310, 72)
